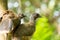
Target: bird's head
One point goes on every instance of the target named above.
(36, 15)
(8, 14)
(21, 15)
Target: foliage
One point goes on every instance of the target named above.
(43, 30)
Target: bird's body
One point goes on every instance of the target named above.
(10, 20)
(26, 29)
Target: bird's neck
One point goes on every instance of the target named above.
(32, 20)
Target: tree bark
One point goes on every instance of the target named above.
(3, 7)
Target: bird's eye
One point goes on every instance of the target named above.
(0, 18)
(7, 11)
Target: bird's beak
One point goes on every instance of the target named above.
(23, 15)
(39, 16)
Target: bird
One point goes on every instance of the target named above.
(13, 17)
(10, 20)
(26, 29)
